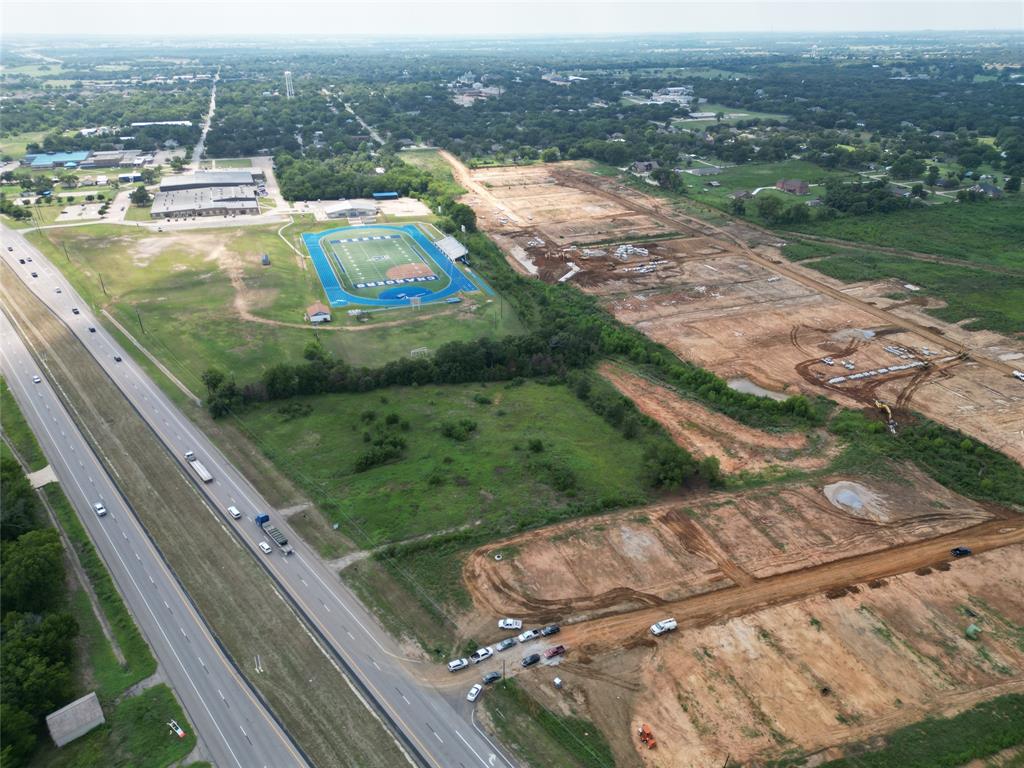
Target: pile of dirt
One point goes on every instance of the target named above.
(858, 500)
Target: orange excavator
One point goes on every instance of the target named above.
(646, 736)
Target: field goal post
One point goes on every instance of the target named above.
(414, 302)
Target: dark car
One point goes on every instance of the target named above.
(550, 629)
(10, 249)
(74, 311)
(35, 274)
(529, 661)
(558, 650)
(117, 358)
(959, 551)
(492, 677)
(92, 329)
(21, 261)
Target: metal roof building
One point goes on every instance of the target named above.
(74, 720)
(56, 159)
(452, 248)
(209, 201)
(202, 179)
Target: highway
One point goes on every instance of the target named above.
(438, 726)
(233, 727)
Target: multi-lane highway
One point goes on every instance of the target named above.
(438, 726)
(235, 729)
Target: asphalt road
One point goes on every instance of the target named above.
(438, 723)
(233, 727)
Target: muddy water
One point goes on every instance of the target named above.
(748, 387)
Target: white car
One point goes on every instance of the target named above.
(99, 509)
(59, 290)
(663, 626)
(456, 664)
(233, 511)
(515, 624)
(265, 547)
(528, 635)
(36, 380)
(474, 692)
(480, 654)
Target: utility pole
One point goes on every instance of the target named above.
(103, 286)
(138, 315)
(66, 252)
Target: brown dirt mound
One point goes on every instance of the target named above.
(407, 271)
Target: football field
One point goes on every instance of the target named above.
(380, 260)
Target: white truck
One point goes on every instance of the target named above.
(197, 466)
(663, 626)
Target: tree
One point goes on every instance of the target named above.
(33, 571)
(770, 208)
(907, 166)
(177, 163)
(738, 206)
(719, 116)
(212, 378)
(140, 196)
(550, 155)
(933, 176)
(1012, 184)
(19, 505)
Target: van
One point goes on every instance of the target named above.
(233, 511)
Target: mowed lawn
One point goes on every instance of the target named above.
(180, 285)
(440, 483)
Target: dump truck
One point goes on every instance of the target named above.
(263, 521)
(646, 736)
(197, 466)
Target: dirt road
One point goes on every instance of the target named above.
(585, 180)
(465, 178)
(715, 607)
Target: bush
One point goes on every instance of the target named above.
(460, 430)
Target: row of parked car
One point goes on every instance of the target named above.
(480, 654)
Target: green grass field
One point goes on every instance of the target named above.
(14, 144)
(994, 301)
(429, 160)
(732, 115)
(179, 284)
(989, 232)
(362, 263)
(439, 482)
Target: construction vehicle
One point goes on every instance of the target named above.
(647, 736)
(263, 521)
(890, 422)
(197, 466)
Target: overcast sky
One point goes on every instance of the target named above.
(382, 18)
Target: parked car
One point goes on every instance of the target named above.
(515, 624)
(456, 664)
(528, 635)
(480, 654)
(474, 692)
(558, 650)
(550, 629)
(529, 661)
(663, 626)
(28, 258)
(35, 274)
(265, 547)
(959, 551)
(492, 677)
(99, 509)
(505, 644)
(58, 290)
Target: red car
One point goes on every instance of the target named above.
(558, 650)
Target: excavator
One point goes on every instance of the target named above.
(646, 736)
(890, 422)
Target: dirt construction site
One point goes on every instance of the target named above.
(725, 299)
(810, 615)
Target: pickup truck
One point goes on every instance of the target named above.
(514, 624)
(663, 626)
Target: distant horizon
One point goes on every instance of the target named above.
(487, 19)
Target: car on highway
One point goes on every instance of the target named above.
(558, 650)
(492, 677)
(550, 629)
(21, 261)
(515, 624)
(233, 511)
(456, 664)
(960, 552)
(663, 626)
(265, 547)
(99, 509)
(505, 644)
(529, 661)
(28, 258)
(117, 358)
(58, 290)
(35, 274)
(92, 329)
(480, 654)
(10, 249)
(75, 311)
(36, 380)
(474, 692)
(528, 635)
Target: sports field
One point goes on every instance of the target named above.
(383, 266)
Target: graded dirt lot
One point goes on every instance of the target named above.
(676, 550)
(723, 298)
(807, 676)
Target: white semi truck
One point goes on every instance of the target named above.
(197, 466)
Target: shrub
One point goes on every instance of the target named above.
(460, 430)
